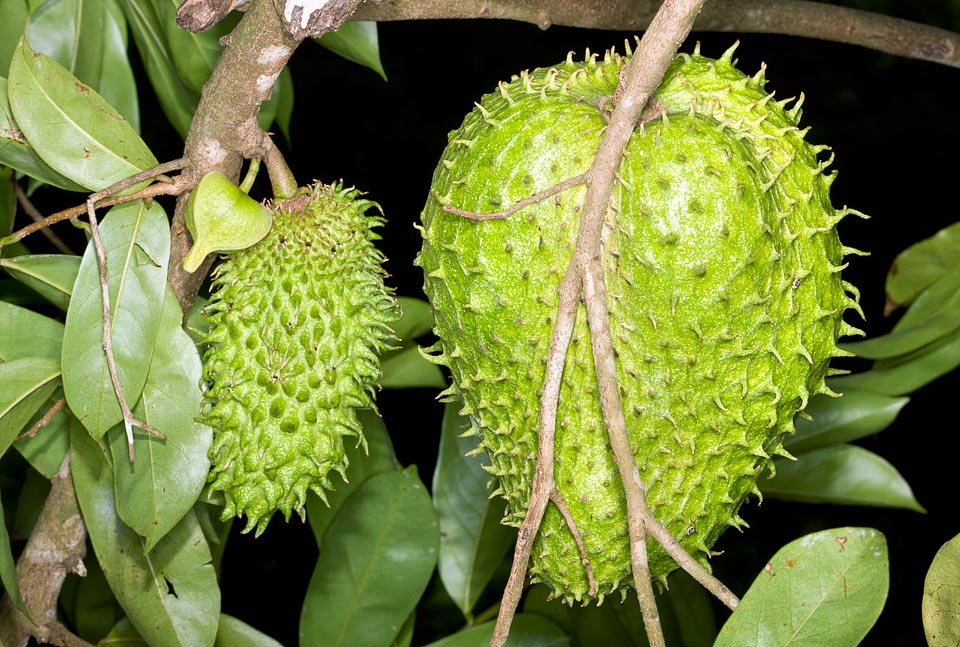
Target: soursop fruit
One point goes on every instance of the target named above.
(297, 325)
(722, 268)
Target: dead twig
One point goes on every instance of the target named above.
(520, 204)
(45, 420)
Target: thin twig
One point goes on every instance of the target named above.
(129, 421)
(45, 420)
(558, 501)
(35, 215)
(526, 202)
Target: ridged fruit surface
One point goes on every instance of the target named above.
(722, 273)
(297, 323)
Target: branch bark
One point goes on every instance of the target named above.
(786, 17)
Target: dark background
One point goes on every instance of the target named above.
(891, 123)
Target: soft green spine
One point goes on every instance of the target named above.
(297, 323)
(722, 330)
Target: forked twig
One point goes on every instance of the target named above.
(558, 501)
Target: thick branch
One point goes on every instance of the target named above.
(787, 17)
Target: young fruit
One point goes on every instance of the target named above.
(722, 275)
(297, 323)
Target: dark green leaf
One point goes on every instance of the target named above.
(378, 459)
(25, 384)
(527, 631)
(357, 42)
(136, 239)
(8, 567)
(840, 420)
(841, 474)
(51, 275)
(614, 623)
(170, 594)
(215, 529)
(688, 608)
(827, 588)
(284, 92)
(236, 633)
(194, 55)
(407, 369)
(416, 320)
(70, 126)
(117, 83)
(941, 597)
(157, 489)
(89, 603)
(35, 488)
(922, 264)
(177, 100)
(194, 323)
(26, 334)
(15, 14)
(473, 541)
(45, 449)
(123, 635)
(374, 564)
(17, 153)
(405, 637)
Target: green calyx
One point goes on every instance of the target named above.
(221, 217)
(297, 325)
(722, 274)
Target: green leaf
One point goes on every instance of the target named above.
(527, 630)
(405, 637)
(841, 474)
(8, 567)
(170, 594)
(840, 420)
(284, 92)
(407, 369)
(215, 529)
(45, 449)
(50, 275)
(157, 489)
(136, 240)
(357, 42)
(89, 604)
(70, 126)
(907, 373)
(15, 14)
(827, 588)
(922, 264)
(194, 55)
(375, 562)
(416, 320)
(117, 83)
(34, 490)
(378, 459)
(17, 153)
(941, 597)
(25, 384)
(177, 100)
(123, 634)
(934, 314)
(194, 323)
(236, 633)
(473, 541)
(26, 334)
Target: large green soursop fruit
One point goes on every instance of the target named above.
(297, 325)
(722, 271)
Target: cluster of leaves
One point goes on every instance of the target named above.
(69, 118)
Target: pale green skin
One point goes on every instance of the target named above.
(298, 322)
(722, 285)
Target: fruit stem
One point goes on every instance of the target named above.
(252, 170)
(281, 177)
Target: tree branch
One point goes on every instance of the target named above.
(786, 17)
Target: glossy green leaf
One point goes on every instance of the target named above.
(161, 485)
(50, 275)
(236, 633)
(215, 529)
(123, 634)
(8, 567)
(177, 100)
(827, 588)
(907, 373)
(922, 264)
(25, 384)
(117, 83)
(28, 334)
(136, 239)
(934, 314)
(70, 126)
(405, 637)
(194, 55)
(171, 594)
(378, 459)
(16, 153)
(357, 42)
(89, 604)
(841, 474)
(15, 14)
(527, 630)
(284, 93)
(941, 597)
(407, 369)
(473, 542)
(375, 562)
(416, 319)
(45, 449)
(840, 420)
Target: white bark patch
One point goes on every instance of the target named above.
(265, 82)
(309, 6)
(273, 54)
(211, 150)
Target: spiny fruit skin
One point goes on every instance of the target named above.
(297, 325)
(722, 274)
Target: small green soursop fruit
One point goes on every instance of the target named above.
(297, 325)
(722, 274)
